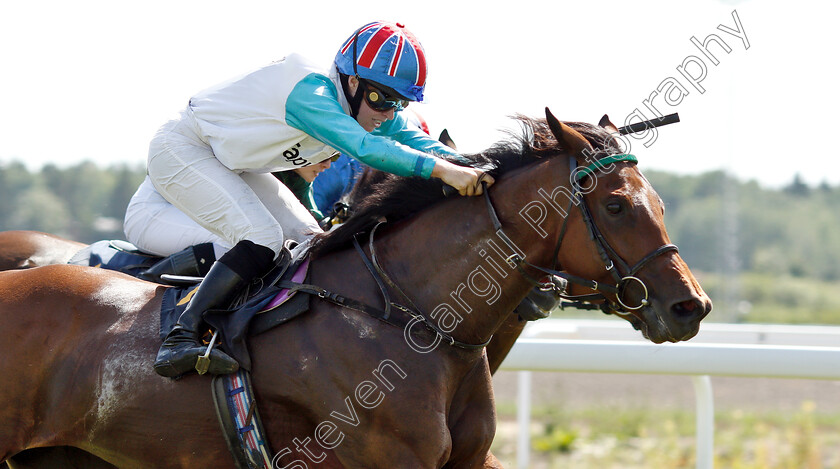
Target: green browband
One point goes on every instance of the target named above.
(583, 172)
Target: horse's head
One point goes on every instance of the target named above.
(620, 218)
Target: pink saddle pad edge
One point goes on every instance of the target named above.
(284, 294)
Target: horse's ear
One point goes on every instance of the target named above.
(447, 140)
(608, 125)
(569, 137)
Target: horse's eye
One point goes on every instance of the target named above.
(614, 208)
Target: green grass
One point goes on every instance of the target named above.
(622, 437)
(617, 437)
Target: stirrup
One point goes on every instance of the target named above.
(174, 363)
(203, 362)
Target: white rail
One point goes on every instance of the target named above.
(770, 361)
(696, 359)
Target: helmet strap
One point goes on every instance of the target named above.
(354, 100)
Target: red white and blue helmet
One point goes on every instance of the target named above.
(386, 54)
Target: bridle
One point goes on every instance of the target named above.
(555, 279)
(623, 274)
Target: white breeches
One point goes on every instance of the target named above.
(189, 198)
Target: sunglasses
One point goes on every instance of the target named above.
(378, 100)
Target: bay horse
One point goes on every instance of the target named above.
(80, 342)
(20, 249)
(25, 249)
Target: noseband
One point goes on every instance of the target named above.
(623, 274)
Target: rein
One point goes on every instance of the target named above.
(373, 311)
(555, 280)
(381, 276)
(612, 261)
(384, 315)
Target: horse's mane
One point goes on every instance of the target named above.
(384, 196)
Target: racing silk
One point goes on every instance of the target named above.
(335, 181)
(289, 114)
(302, 190)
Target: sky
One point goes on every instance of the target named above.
(93, 80)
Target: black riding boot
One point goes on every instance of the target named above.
(193, 261)
(181, 348)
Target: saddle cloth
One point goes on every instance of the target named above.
(121, 256)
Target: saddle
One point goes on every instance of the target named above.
(262, 306)
(269, 306)
(266, 304)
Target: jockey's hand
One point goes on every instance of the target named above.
(466, 180)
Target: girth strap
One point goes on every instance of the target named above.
(236, 409)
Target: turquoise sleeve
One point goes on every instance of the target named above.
(409, 135)
(313, 107)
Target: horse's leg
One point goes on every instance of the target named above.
(27, 249)
(492, 463)
(503, 340)
(407, 428)
(473, 420)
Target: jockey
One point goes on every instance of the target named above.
(336, 182)
(301, 182)
(208, 168)
(196, 260)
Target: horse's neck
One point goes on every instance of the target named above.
(452, 262)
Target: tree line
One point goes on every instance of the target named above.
(720, 223)
(84, 202)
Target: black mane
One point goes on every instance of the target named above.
(388, 197)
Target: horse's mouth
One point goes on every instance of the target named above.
(654, 336)
(654, 329)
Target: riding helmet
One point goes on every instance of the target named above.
(388, 55)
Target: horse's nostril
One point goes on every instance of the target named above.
(686, 308)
